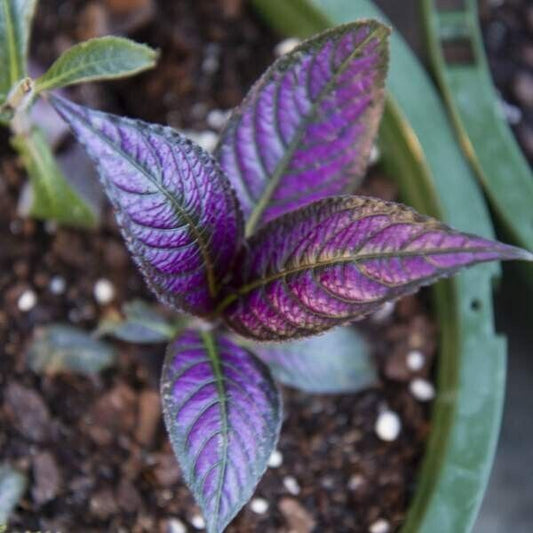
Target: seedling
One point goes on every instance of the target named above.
(265, 240)
(97, 59)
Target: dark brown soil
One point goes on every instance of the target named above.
(94, 449)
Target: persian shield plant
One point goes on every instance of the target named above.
(97, 59)
(264, 239)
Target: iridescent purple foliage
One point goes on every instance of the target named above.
(176, 208)
(223, 413)
(306, 128)
(339, 259)
(300, 139)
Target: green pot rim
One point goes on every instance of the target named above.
(420, 150)
(474, 109)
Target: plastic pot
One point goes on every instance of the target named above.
(421, 152)
(474, 108)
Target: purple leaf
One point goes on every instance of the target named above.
(305, 130)
(337, 362)
(176, 209)
(223, 414)
(338, 260)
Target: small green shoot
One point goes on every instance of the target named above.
(52, 198)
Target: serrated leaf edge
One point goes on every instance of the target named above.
(380, 31)
(303, 213)
(167, 399)
(168, 133)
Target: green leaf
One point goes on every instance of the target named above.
(103, 58)
(336, 362)
(60, 348)
(53, 197)
(142, 324)
(12, 487)
(15, 24)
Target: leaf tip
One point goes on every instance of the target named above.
(513, 253)
(386, 29)
(378, 28)
(525, 255)
(155, 53)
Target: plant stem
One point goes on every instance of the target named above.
(18, 102)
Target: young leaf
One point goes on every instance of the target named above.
(15, 25)
(338, 260)
(61, 348)
(142, 324)
(305, 130)
(223, 414)
(103, 58)
(52, 196)
(177, 211)
(337, 362)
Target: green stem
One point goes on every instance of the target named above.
(14, 71)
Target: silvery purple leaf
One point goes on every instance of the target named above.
(223, 414)
(338, 260)
(338, 361)
(305, 130)
(176, 209)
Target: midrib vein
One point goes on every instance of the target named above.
(281, 167)
(214, 359)
(260, 282)
(180, 211)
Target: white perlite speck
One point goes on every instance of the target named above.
(210, 64)
(104, 291)
(57, 285)
(415, 360)
(292, 485)
(27, 301)
(375, 155)
(286, 46)
(216, 119)
(198, 521)
(422, 390)
(259, 505)
(211, 61)
(175, 525)
(384, 312)
(205, 139)
(379, 526)
(275, 460)
(356, 481)
(388, 426)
